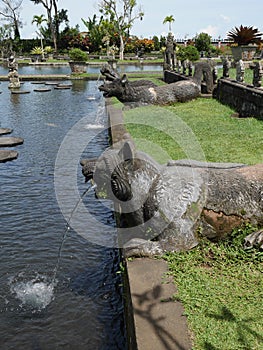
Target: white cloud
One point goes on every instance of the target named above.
(211, 30)
(225, 18)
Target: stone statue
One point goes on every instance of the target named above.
(180, 91)
(226, 67)
(240, 71)
(257, 74)
(169, 53)
(185, 66)
(13, 73)
(178, 66)
(160, 207)
(190, 68)
(215, 74)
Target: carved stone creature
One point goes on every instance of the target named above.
(141, 91)
(125, 91)
(161, 208)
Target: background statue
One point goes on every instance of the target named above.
(169, 53)
(240, 71)
(226, 67)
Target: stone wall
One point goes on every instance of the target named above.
(244, 99)
(172, 77)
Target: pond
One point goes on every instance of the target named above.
(51, 301)
(95, 69)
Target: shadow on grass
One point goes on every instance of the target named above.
(242, 327)
(150, 301)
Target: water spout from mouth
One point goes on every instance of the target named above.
(67, 229)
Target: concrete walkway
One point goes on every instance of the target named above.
(158, 319)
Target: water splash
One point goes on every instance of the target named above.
(35, 294)
(94, 126)
(38, 291)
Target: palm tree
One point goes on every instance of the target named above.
(39, 20)
(169, 19)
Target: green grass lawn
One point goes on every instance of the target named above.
(221, 288)
(219, 284)
(248, 75)
(202, 129)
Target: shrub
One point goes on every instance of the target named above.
(77, 55)
(187, 53)
(37, 50)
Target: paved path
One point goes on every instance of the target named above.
(158, 319)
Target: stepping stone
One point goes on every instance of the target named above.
(63, 86)
(19, 92)
(10, 141)
(6, 156)
(4, 131)
(37, 82)
(51, 83)
(42, 89)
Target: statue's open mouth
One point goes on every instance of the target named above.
(106, 92)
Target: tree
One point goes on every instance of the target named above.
(122, 15)
(203, 42)
(50, 6)
(170, 20)
(5, 40)
(156, 43)
(10, 11)
(99, 31)
(39, 20)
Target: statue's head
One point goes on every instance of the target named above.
(116, 87)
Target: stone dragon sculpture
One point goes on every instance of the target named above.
(160, 208)
(146, 92)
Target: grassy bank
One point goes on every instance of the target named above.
(202, 129)
(221, 288)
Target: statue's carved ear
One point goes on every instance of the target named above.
(127, 152)
(124, 79)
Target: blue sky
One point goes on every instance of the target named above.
(191, 16)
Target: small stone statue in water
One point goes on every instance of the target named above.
(240, 71)
(13, 73)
